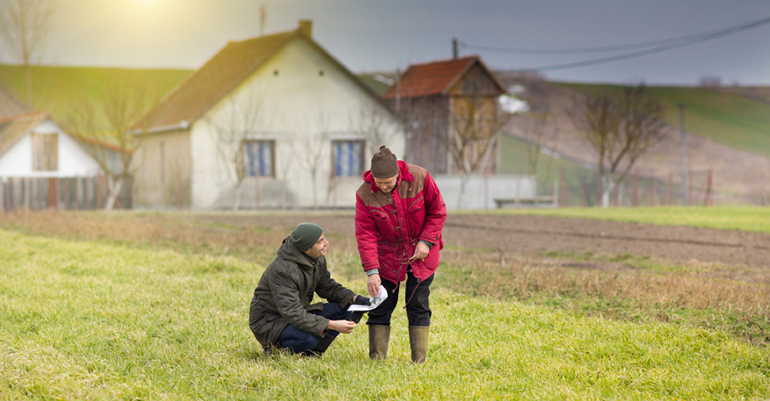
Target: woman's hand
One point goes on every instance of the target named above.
(373, 285)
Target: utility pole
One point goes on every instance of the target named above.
(454, 47)
(398, 90)
(685, 194)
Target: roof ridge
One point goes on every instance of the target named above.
(25, 115)
(448, 60)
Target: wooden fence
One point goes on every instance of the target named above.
(65, 193)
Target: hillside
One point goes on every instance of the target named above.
(734, 116)
(728, 132)
(62, 89)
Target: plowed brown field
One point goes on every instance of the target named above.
(530, 236)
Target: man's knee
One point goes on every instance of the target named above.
(301, 344)
(333, 311)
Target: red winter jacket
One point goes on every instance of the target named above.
(389, 225)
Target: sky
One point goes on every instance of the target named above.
(385, 35)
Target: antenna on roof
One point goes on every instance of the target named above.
(262, 19)
(454, 48)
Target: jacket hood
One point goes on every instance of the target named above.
(288, 251)
(403, 174)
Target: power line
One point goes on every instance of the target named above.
(677, 43)
(598, 49)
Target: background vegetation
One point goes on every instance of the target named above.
(60, 90)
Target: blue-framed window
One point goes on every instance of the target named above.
(348, 158)
(258, 158)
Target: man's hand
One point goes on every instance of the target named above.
(343, 326)
(420, 251)
(361, 300)
(373, 285)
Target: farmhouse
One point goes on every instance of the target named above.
(269, 122)
(36, 155)
(453, 115)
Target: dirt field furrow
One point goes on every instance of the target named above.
(532, 235)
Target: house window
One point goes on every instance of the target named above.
(45, 152)
(348, 158)
(258, 158)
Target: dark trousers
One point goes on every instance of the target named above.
(298, 341)
(416, 298)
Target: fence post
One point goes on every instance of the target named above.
(51, 192)
(2, 193)
(652, 190)
(555, 199)
(24, 190)
(99, 190)
(583, 201)
(599, 192)
(635, 198)
(670, 189)
(708, 201)
(689, 188)
(564, 193)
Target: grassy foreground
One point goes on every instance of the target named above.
(742, 218)
(104, 321)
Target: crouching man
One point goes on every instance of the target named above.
(281, 314)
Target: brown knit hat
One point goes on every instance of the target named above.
(384, 164)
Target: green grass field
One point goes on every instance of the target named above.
(101, 321)
(726, 118)
(126, 319)
(744, 218)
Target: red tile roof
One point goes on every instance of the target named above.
(220, 75)
(431, 78)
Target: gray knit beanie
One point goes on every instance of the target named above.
(384, 164)
(305, 235)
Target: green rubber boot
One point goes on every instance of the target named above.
(379, 335)
(418, 341)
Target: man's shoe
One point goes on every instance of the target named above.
(321, 347)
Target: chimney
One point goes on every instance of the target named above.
(306, 27)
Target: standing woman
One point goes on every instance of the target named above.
(399, 217)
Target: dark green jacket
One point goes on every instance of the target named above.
(285, 292)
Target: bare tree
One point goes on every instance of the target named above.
(372, 123)
(238, 121)
(314, 151)
(620, 126)
(283, 165)
(24, 25)
(113, 146)
(474, 134)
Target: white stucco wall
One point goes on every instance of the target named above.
(73, 160)
(307, 105)
(482, 191)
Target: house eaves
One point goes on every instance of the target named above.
(222, 74)
(12, 129)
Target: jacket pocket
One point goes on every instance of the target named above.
(387, 253)
(416, 211)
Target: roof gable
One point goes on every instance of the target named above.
(436, 78)
(220, 75)
(223, 73)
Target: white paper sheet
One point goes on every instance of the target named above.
(381, 296)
